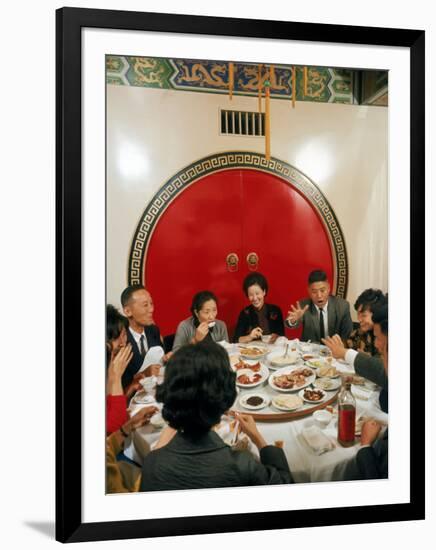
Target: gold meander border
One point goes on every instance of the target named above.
(237, 160)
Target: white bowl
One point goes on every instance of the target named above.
(291, 358)
(157, 420)
(305, 347)
(266, 338)
(322, 417)
(149, 383)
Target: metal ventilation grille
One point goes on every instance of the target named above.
(242, 123)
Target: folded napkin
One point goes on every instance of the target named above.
(225, 344)
(361, 392)
(317, 440)
(153, 357)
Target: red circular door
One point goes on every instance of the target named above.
(240, 212)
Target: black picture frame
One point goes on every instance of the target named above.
(69, 22)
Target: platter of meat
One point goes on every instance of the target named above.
(312, 395)
(247, 378)
(290, 379)
(255, 366)
(253, 351)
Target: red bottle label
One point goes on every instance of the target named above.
(346, 424)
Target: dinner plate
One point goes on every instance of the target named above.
(316, 363)
(291, 359)
(318, 373)
(327, 384)
(265, 401)
(249, 362)
(282, 407)
(301, 394)
(288, 370)
(264, 373)
(263, 351)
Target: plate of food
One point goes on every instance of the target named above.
(278, 360)
(253, 352)
(290, 379)
(327, 371)
(247, 378)
(327, 384)
(254, 401)
(315, 363)
(311, 395)
(240, 364)
(287, 402)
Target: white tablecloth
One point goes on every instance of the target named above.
(304, 464)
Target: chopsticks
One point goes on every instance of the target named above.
(236, 429)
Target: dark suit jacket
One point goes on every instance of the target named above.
(373, 369)
(209, 462)
(248, 320)
(370, 462)
(339, 319)
(152, 335)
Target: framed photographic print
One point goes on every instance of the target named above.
(240, 181)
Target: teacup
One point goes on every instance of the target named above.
(322, 418)
(305, 347)
(148, 383)
(157, 420)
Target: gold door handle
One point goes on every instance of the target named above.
(252, 261)
(232, 262)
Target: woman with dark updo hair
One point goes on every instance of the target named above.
(203, 324)
(259, 318)
(199, 386)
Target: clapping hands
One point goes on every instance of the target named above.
(120, 360)
(117, 366)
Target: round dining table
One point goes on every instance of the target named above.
(308, 463)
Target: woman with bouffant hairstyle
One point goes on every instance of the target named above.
(198, 387)
(259, 318)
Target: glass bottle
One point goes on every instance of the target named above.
(346, 416)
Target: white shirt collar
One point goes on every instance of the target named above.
(137, 335)
(324, 309)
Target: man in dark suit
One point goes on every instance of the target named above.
(321, 314)
(364, 364)
(142, 333)
(371, 461)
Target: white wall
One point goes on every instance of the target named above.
(343, 148)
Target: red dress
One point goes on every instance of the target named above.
(116, 412)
